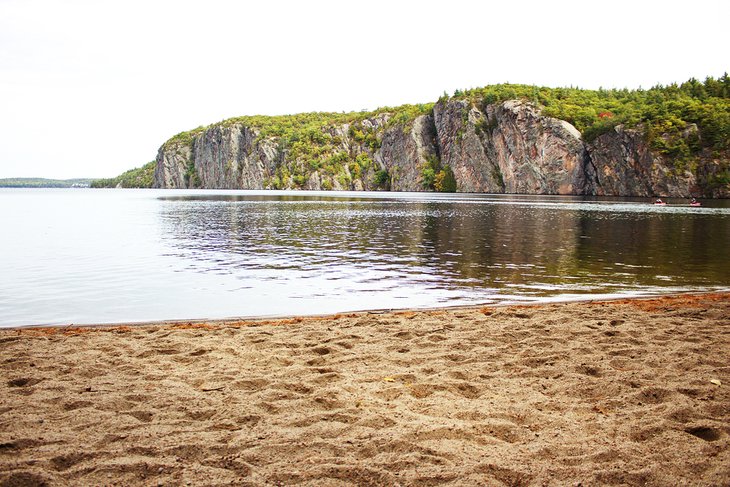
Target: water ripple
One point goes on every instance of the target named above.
(106, 256)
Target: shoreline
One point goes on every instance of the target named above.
(315, 316)
(626, 391)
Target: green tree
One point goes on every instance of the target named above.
(428, 177)
(445, 180)
(381, 179)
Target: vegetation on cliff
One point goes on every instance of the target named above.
(141, 177)
(437, 177)
(314, 142)
(681, 122)
(664, 111)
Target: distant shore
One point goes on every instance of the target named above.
(45, 183)
(631, 391)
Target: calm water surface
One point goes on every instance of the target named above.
(91, 256)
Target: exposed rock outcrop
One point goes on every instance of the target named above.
(511, 148)
(232, 157)
(626, 166)
(173, 160)
(405, 150)
(225, 157)
(507, 147)
(236, 156)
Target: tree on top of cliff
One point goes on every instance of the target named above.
(663, 109)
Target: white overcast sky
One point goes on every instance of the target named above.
(93, 88)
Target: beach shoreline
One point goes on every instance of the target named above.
(607, 392)
(244, 319)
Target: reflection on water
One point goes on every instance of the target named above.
(112, 256)
(468, 248)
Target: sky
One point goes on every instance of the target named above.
(91, 88)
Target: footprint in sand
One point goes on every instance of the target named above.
(455, 357)
(322, 350)
(187, 453)
(250, 384)
(20, 444)
(72, 406)
(22, 479)
(420, 391)
(200, 415)
(316, 362)
(328, 403)
(459, 375)
(158, 351)
(142, 451)
(23, 382)
(654, 395)
(64, 462)
(506, 476)
(230, 462)
(704, 433)
(590, 370)
(466, 390)
(645, 434)
(296, 387)
(144, 416)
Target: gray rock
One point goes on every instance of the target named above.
(625, 166)
(406, 149)
(507, 147)
(510, 148)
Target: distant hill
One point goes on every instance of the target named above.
(45, 183)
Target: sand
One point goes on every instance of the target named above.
(629, 392)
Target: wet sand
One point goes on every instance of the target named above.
(629, 392)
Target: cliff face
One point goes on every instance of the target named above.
(405, 151)
(171, 164)
(232, 157)
(221, 157)
(507, 147)
(235, 156)
(626, 166)
(511, 148)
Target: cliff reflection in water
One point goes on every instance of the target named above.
(462, 248)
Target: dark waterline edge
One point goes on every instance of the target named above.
(341, 191)
(254, 319)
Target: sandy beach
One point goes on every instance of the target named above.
(630, 392)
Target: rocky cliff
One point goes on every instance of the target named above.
(224, 157)
(511, 148)
(502, 147)
(625, 165)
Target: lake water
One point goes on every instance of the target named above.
(102, 256)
